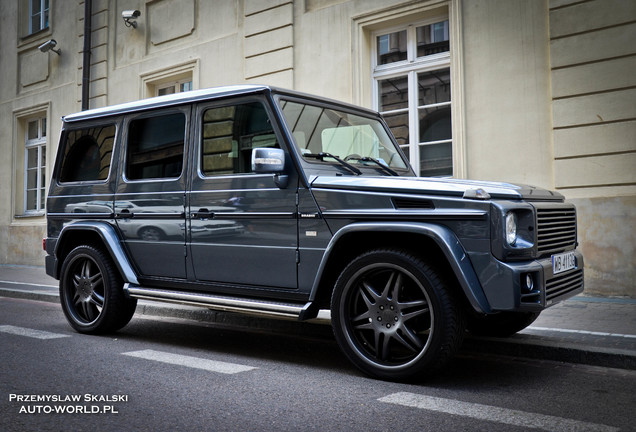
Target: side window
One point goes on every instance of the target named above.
(230, 133)
(87, 154)
(155, 147)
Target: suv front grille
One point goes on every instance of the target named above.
(556, 229)
(563, 284)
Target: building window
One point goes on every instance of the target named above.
(411, 75)
(38, 15)
(35, 166)
(174, 87)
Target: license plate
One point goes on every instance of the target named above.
(563, 262)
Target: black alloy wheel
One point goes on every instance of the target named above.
(91, 292)
(394, 316)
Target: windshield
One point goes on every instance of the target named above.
(326, 135)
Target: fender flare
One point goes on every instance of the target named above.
(111, 241)
(442, 236)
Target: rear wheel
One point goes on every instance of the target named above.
(393, 315)
(502, 324)
(91, 292)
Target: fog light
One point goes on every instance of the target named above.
(529, 282)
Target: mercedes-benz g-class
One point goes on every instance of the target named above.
(267, 201)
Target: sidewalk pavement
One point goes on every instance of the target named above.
(588, 330)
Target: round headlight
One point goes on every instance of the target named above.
(511, 228)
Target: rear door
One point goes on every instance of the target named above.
(150, 197)
(243, 227)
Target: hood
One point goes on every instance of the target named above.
(435, 186)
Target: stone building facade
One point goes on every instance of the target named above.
(530, 91)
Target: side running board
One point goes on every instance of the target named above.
(225, 303)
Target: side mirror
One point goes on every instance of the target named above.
(270, 160)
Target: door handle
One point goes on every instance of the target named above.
(124, 214)
(203, 213)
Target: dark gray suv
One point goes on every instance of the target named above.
(267, 201)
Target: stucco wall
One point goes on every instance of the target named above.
(507, 91)
(593, 58)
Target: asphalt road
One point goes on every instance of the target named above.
(180, 375)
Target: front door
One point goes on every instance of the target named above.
(150, 197)
(243, 227)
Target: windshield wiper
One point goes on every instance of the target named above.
(323, 155)
(378, 163)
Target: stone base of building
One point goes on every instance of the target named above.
(607, 239)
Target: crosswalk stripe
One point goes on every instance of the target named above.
(192, 362)
(38, 334)
(494, 414)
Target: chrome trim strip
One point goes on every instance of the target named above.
(410, 215)
(218, 302)
(80, 215)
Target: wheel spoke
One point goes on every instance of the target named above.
(424, 309)
(390, 283)
(368, 294)
(382, 345)
(412, 341)
(90, 310)
(96, 279)
(365, 316)
(396, 285)
(86, 268)
(363, 326)
(96, 299)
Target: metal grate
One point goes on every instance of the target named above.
(556, 229)
(409, 203)
(563, 284)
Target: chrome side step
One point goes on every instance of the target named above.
(223, 303)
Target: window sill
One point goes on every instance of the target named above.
(30, 215)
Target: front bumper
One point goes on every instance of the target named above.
(505, 287)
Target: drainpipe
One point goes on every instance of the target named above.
(86, 60)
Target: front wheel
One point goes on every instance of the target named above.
(394, 316)
(91, 292)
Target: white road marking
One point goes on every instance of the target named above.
(193, 362)
(27, 283)
(494, 414)
(582, 332)
(38, 334)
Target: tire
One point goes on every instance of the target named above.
(502, 324)
(394, 317)
(91, 292)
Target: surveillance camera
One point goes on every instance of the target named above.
(130, 14)
(129, 17)
(49, 45)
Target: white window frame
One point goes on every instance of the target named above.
(176, 85)
(44, 12)
(40, 144)
(410, 68)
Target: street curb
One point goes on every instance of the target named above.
(520, 345)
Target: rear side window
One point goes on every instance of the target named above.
(87, 154)
(230, 133)
(155, 147)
